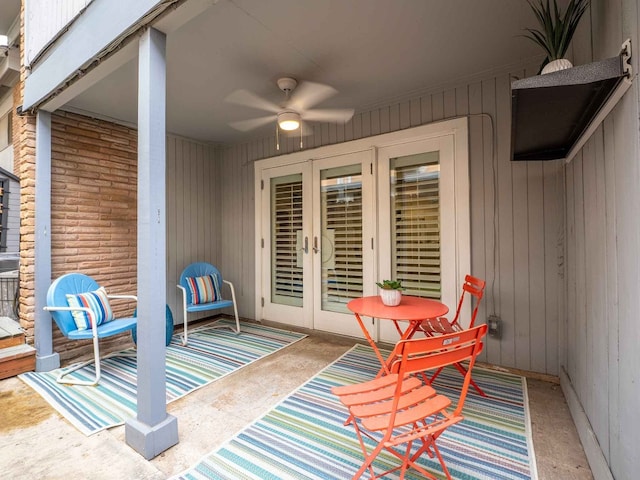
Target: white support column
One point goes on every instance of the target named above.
(153, 430)
(46, 358)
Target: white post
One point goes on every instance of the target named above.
(46, 358)
(153, 431)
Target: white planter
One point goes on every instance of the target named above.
(391, 298)
(556, 66)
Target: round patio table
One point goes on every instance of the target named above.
(411, 309)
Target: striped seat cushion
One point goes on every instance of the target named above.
(97, 301)
(204, 289)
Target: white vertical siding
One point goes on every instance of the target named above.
(602, 335)
(523, 278)
(44, 19)
(191, 212)
(603, 279)
(234, 209)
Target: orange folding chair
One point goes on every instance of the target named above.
(402, 409)
(438, 326)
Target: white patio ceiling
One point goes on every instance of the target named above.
(372, 51)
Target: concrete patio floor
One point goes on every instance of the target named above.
(37, 443)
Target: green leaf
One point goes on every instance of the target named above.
(557, 28)
(390, 285)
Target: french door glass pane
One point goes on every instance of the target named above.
(415, 223)
(286, 240)
(341, 244)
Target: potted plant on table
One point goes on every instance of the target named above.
(390, 292)
(556, 31)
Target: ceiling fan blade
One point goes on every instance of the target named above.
(308, 94)
(246, 125)
(328, 115)
(250, 99)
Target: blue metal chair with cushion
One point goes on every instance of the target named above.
(201, 286)
(81, 309)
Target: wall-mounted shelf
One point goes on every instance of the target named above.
(553, 115)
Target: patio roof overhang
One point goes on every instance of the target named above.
(75, 61)
(398, 52)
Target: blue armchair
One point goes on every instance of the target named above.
(200, 284)
(81, 310)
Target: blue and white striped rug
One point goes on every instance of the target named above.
(304, 437)
(210, 355)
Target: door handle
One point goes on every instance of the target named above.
(315, 245)
(306, 245)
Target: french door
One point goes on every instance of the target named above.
(343, 235)
(330, 227)
(285, 257)
(317, 241)
(422, 203)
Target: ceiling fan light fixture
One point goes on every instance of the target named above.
(289, 121)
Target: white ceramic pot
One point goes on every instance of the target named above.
(391, 298)
(556, 66)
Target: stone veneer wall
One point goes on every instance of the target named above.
(93, 213)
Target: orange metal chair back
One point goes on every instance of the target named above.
(434, 353)
(473, 287)
(402, 408)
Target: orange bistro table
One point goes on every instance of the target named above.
(411, 309)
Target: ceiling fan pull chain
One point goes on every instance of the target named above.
(277, 138)
(301, 135)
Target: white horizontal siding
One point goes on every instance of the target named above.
(44, 19)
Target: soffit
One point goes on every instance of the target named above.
(372, 51)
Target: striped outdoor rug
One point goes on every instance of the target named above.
(304, 436)
(210, 355)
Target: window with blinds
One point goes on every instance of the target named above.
(415, 211)
(341, 247)
(286, 240)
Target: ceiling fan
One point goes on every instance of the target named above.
(295, 108)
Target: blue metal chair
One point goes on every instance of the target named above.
(202, 269)
(58, 306)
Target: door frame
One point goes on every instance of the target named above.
(458, 128)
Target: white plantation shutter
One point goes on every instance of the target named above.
(286, 240)
(415, 211)
(341, 200)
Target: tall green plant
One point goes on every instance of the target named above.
(556, 29)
